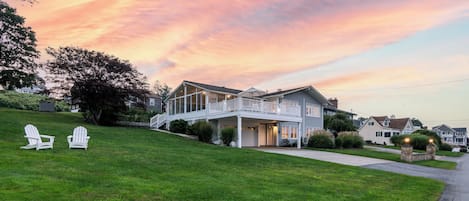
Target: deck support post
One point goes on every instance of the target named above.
(239, 131)
(299, 136)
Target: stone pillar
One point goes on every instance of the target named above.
(431, 151)
(406, 152)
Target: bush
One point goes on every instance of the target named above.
(23, 101)
(227, 135)
(446, 147)
(178, 126)
(350, 140)
(338, 142)
(194, 128)
(430, 134)
(320, 141)
(419, 141)
(204, 131)
(464, 150)
(397, 140)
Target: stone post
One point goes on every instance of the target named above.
(431, 151)
(406, 152)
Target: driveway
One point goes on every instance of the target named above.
(457, 181)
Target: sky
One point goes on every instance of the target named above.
(402, 58)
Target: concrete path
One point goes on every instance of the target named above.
(326, 156)
(457, 188)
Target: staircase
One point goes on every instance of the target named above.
(158, 120)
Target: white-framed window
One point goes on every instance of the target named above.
(284, 132)
(294, 133)
(313, 110)
(387, 134)
(371, 123)
(379, 134)
(152, 102)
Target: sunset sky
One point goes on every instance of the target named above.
(407, 58)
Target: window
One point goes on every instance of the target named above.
(294, 133)
(313, 110)
(284, 132)
(379, 134)
(152, 102)
(371, 123)
(395, 133)
(387, 134)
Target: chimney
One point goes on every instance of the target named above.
(278, 90)
(393, 116)
(335, 102)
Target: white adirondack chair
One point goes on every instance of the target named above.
(79, 139)
(34, 139)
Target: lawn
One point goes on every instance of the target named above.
(439, 152)
(392, 157)
(139, 164)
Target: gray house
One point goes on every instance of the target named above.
(453, 136)
(260, 118)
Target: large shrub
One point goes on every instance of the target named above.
(430, 134)
(419, 141)
(227, 135)
(350, 140)
(24, 101)
(446, 147)
(194, 128)
(320, 141)
(204, 131)
(178, 126)
(398, 140)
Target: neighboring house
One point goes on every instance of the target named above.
(260, 118)
(453, 136)
(152, 102)
(380, 129)
(333, 108)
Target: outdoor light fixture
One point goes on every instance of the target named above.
(431, 141)
(407, 140)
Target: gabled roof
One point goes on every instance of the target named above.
(332, 108)
(214, 88)
(398, 123)
(379, 119)
(444, 127)
(309, 89)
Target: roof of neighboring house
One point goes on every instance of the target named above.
(332, 108)
(444, 127)
(379, 119)
(398, 123)
(461, 130)
(214, 88)
(309, 89)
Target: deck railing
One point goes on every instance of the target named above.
(255, 105)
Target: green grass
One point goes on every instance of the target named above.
(392, 157)
(439, 152)
(139, 164)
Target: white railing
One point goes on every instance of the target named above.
(253, 105)
(158, 120)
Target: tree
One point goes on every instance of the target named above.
(338, 123)
(162, 90)
(102, 83)
(417, 122)
(18, 50)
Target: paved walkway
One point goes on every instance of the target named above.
(326, 156)
(457, 188)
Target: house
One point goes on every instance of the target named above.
(152, 103)
(452, 136)
(380, 129)
(260, 118)
(333, 108)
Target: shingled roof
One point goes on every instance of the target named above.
(398, 123)
(214, 88)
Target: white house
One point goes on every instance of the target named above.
(261, 119)
(380, 129)
(453, 136)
